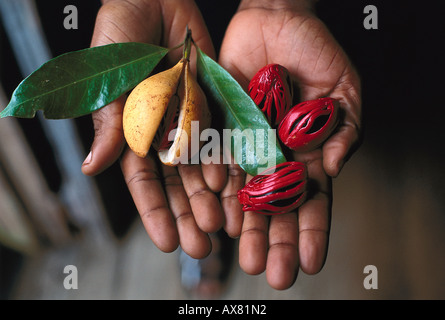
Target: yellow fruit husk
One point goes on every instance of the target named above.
(146, 105)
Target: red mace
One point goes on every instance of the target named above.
(309, 124)
(271, 90)
(277, 190)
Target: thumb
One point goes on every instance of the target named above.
(108, 140)
(338, 149)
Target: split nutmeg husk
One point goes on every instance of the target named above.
(169, 100)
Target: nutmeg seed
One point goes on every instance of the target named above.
(271, 89)
(277, 190)
(309, 124)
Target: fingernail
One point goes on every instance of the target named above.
(87, 159)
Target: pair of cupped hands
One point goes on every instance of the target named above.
(182, 205)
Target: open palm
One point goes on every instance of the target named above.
(296, 39)
(177, 205)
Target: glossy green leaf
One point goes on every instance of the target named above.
(253, 142)
(80, 82)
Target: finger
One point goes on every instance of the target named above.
(108, 138)
(314, 224)
(282, 258)
(143, 180)
(314, 219)
(338, 149)
(204, 203)
(253, 243)
(233, 212)
(193, 241)
(215, 174)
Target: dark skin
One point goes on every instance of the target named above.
(178, 206)
(288, 33)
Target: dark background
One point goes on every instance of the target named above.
(402, 109)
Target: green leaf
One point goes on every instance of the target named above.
(253, 146)
(80, 82)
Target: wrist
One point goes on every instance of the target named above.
(278, 4)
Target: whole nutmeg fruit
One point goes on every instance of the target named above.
(277, 190)
(271, 90)
(169, 100)
(309, 124)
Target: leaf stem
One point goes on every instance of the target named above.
(187, 44)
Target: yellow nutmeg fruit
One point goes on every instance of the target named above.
(169, 100)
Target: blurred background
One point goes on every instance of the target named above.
(389, 200)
